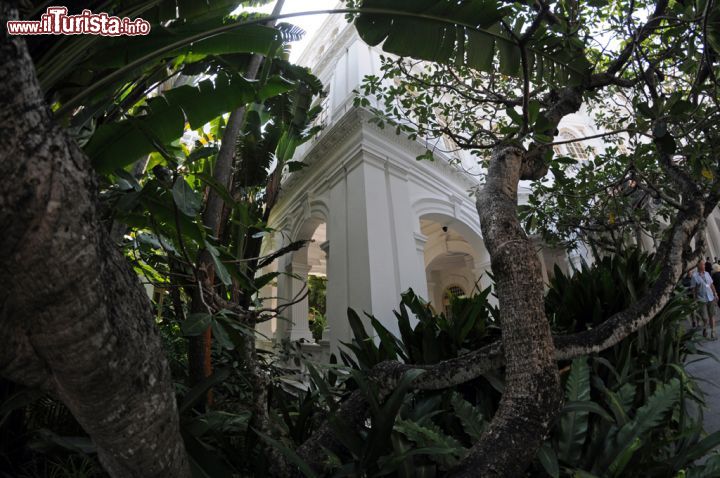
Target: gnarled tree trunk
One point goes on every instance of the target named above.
(531, 399)
(74, 318)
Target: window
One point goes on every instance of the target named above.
(575, 150)
(452, 292)
(322, 118)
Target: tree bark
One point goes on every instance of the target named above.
(199, 348)
(74, 319)
(532, 398)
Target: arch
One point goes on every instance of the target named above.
(307, 218)
(305, 231)
(453, 252)
(294, 284)
(472, 236)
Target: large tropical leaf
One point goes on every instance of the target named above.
(248, 39)
(470, 34)
(115, 145)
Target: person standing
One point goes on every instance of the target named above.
(706, 295)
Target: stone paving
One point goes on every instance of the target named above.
(707, 371)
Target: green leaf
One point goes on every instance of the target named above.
(509, 55)
(263, 280)
(383, 417)
(289, 454)
(275, 85)
(115, 145)
(430, 435)
(619, 464)
(210, 99)
(220, 269)
(196, 324)
(186, 199)
(469, 33)
(220, 334)
(574, 423)
(217, 187)
(548, 459)
(246, 39)
(470, 418)
(647, 417)
(588, 407)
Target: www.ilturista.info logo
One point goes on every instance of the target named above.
(56, 21)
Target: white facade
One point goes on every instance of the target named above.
(381, 221)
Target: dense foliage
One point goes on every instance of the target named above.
(498, 87)
(153, 118)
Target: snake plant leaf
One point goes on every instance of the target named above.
(470, 417)
(574, 424)
(630, 436)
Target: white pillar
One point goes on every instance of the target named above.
(265, 330)
(374, 257)
(425, 290)
(325, 246)
(299, 311)
(338, 269)
(543, 266)
(284, 291)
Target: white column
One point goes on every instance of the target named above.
(374, 257)
(420, 241)
(543, 266)
(470, 276)
(410, 262)
(325, 246)
(284, 291)
(265, 330)
(338, 270)
(436, 291)
(299, 311)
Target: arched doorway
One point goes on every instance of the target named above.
(455, 262)
(304, 284)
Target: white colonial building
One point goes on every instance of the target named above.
(380, 220)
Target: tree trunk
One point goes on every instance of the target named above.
(74, 318)
(200, 347)
(531, 399)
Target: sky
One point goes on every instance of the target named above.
(310, 23)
